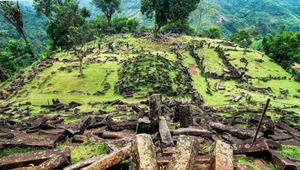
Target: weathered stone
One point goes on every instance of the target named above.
(28, 142)
(223, 156)
(84, 123)
(110, 160)
(289, 129)
(84, 163)
(192, 132)
(35, 157)
(203, 162)
(143, 125)
(185, 116)
(143, 155)
(239, 133)
(260, 165)
(259, 147)
(56, 162)
(281, 162)
(239, 166)
(186, 152)
(155, 106)
(116, 135)
(165, 135)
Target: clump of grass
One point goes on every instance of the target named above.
(171, 126)
(12, 150)
(271, 166)
(36, 137)
(242, 125)
(290, 150)
(85, 150)
(246, 161)
(204, 148)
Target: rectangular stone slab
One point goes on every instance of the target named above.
(164, 131)
(186, 152)
(28, 142)
(257, 148)
(239, 133)
(110, 160)
(192, 132)
(223, 156)
(35, 157)
(281, 162)
(143, 154)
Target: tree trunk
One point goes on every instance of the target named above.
(3, 76)
(80, 67)
(28, 44)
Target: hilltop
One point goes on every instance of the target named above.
(57, 76)
(215, 77)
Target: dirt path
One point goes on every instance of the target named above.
(193, 70)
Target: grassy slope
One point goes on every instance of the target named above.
(65, 81)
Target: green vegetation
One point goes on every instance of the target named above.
(246, 161)
(271, 166)
(283, 48)
(168, 12)
(204, 148)
(85, 150)
(290, 150)
(108, 8)
(12, 150)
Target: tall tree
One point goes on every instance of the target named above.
(12, 13)
(80, 36)
(108, 7)
(167, 11)
(203, 9)
(61, 15)
(243, 38)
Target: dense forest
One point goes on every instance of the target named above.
(252, 24)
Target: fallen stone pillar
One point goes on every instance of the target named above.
(143, 155)
(186, 152)
(35, 157)
(185, 116)
(155, 105)
(192, 132)
(165, 135)
(223, 156)
(110, 160)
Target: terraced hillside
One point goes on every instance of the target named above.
(215, 76)
(211, 63)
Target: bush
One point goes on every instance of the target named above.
(180, 27)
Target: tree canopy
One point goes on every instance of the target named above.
(167, 11)
(108, 7)
(283, 48)
(12, 13)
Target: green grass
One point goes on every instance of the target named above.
(204, 148)
(246, 161)
(85, 150)
(12, 150)
(271, 166)
(242, 125)
(290, 150)
(40, 90)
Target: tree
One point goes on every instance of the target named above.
(242, 38)
(12, 13)
(79, 37)
(166, 11)
(132, 24)
(61, 15)
(212, 32)
(283, 48)
(108, 7)
(203, 9)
